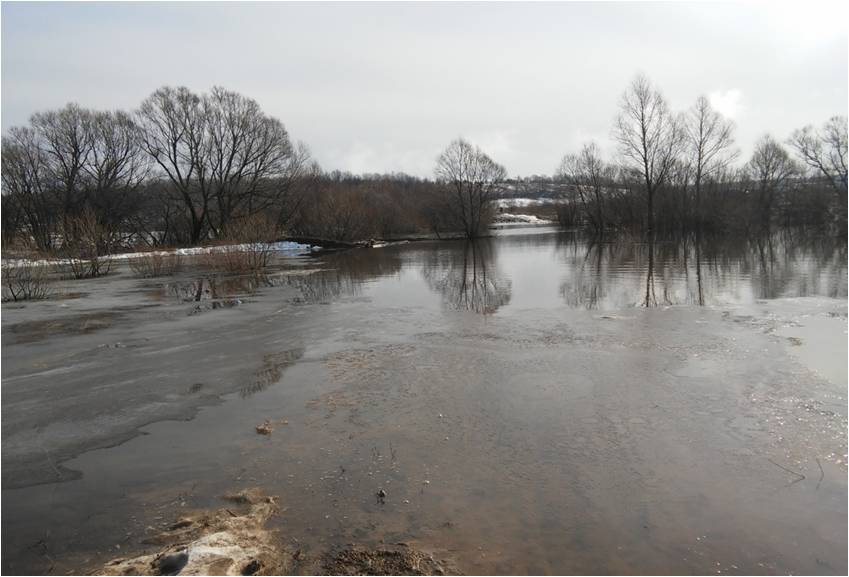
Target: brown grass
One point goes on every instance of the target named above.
(245, 248)
(153, 264)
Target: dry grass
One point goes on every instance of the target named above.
(155, 264)
(234, 259)
(247, 247)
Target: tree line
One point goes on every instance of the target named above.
(187, 168)
(680, 171)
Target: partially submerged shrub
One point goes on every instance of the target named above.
(84, 243)
(153, 264)
(25, 281)
(249, 246)
(229, 259)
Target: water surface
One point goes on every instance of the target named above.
(532, 403)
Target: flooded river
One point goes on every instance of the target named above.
(531, 403)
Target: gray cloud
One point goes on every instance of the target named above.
(384, 87)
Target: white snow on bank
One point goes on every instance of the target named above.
(507, 218)
(286, 248)
(384, 243)
(523, 202)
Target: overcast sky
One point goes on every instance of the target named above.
(382, 87)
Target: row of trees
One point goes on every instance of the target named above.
(182, 168)
(677, 171)
(186, 168)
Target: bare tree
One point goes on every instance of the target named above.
(69, 161)
(116, 168)
(471, 179)
(590, 176)
(825, 150)
(27, 182)
(172, 122)
(249, 156)
(66, 138)
(299, 179)
(650, 137)
(769, 169)
(710, 138)
(223, 155)
(116, 161)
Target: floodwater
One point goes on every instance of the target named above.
(531, 403)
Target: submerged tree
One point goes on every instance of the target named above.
(710, 138)
(769, 169)
(825, 150)
(590, 176)
(471, 180)
(650, 138)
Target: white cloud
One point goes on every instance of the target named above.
(727, 102)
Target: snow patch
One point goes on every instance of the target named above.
(507, 218)
(524, 202)
(284, 247)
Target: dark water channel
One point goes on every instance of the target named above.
(532, 403)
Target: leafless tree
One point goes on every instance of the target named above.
(590, 176)
(69, 161)
(66, 138)
(472, 179)
(116, 164)
(825, 150)
(769, 169)
(650, 137)
(224, 156)
(27, 182)
(299, 180)
(710, 138)
(173, 134)
(249, 156)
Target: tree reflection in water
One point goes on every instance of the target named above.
(699, 269)
(467, 277)
(343, 273)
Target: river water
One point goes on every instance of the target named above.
(536, 402)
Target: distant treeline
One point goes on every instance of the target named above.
(680, 171)
(188, 168)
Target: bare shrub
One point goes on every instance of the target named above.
(152, 264)
(248, 246)
(85, 241)
(25, 281)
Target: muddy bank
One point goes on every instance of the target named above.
(229, 541)
(234, 540)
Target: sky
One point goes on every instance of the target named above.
(384, 87)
